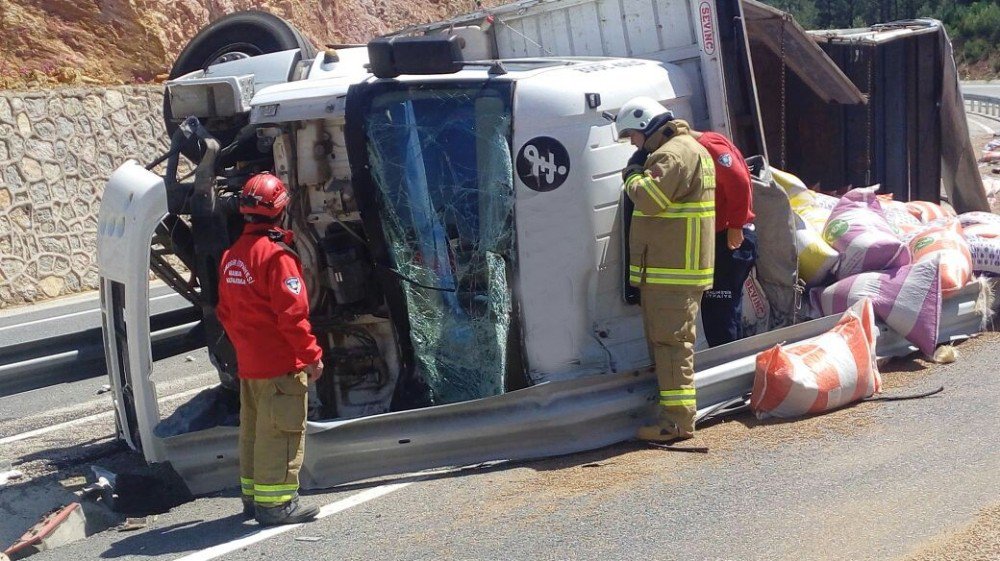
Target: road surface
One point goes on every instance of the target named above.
(904, 480)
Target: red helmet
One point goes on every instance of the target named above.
(263, 194)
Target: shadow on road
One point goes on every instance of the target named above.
(182, 538)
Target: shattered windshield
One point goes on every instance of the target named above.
(441, 159)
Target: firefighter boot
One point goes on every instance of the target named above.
(665, 429)
(286, 513)
(248, 508)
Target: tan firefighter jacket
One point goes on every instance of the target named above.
(672, 240)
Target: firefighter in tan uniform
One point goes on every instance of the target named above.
(671, 251)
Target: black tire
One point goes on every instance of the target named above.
(251, 33)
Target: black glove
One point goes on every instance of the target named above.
(630, 170)
(635, 164)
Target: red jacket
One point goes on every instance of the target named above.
(733, 200)
(264, 307)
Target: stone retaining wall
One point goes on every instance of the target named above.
(57, 149)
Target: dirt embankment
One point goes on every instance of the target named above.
(49, 42)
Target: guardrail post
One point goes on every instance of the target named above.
(985, 105)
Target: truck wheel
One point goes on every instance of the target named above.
(239, 35)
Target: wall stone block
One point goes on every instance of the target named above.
(57, 149)
(46, 130)
(15, 144)
(23, 124)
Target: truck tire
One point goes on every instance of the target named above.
(243, 34)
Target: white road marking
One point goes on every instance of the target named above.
(332, 508)
(88, 311)
(982, 126)
(84, 420)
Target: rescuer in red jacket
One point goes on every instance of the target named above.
(264, 309)
(735, 240)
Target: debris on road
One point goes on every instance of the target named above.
(133, 524)
(104, 389)
(675, 448)
(308, 539)
(58, 527)
(945, 354)
(8, 473)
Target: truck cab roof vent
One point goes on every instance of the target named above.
(392, 56)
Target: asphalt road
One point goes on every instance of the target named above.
(887, 480)
(59, 403)
(982, 89)
(72, 315)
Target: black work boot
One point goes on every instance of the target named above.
(286, 513)
(248, 507)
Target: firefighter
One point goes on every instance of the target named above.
(670, 251)
(735, 239)
(264, 309)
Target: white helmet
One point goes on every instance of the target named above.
(640, 114)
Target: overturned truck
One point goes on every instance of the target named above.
(458, 210)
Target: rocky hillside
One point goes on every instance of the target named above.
(48, 42)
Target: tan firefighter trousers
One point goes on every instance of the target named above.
(272, 436)
(669, 316)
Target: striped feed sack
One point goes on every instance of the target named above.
(822, 373)
(908, 300)
(858, 229)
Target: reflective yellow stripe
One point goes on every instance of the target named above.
(661, 271)
(246, 485)
(278, 487)
(679, 403)
(690, 281)
(654, 192)
(273, 499)
(671, 282)
(683, 210)
(271, 494)
(683, 397)
(710, 205)
(696, 248)
(689, 248)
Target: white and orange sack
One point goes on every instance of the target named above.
(944, 239)
(822, 373)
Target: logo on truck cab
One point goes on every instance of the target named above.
(707, 28)
(543, 164)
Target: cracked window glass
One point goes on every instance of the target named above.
(441, 159)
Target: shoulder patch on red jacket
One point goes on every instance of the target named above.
(294, 285)
(726, 159)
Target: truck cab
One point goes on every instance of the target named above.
(457, 206)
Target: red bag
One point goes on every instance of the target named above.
(822, 373)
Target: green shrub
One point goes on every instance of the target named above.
(975, 50)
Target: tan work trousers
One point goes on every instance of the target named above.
(669, 315)
(272, 436)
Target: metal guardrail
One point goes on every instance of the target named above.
(67, 357)
(984, 105)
